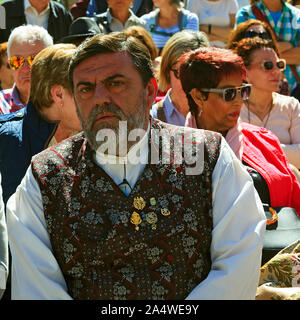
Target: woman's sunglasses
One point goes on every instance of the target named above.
(263, 34)
(230, 94)
(17, 62)
(270, 65)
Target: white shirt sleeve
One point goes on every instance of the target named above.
(36, 274)
(238, 231)
(3, 247)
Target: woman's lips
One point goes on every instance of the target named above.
(235, 114)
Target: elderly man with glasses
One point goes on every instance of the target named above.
(24, 43)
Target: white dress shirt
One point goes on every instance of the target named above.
(237, 237)
(35, 18)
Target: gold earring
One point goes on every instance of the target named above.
(131, 5)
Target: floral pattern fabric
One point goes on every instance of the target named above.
(101, 254)
(280, 277)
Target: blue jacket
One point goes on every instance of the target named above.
(22, 134)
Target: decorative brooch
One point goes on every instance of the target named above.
(151, 217)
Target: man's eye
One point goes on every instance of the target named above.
(115, 83)
(85, 89)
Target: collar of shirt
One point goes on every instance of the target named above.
(35, 18)
(169, 107)
(15, 97)
(135, 162)
(111, 19)
(28, 6)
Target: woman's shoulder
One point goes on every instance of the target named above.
(286, 102)
(150, 15)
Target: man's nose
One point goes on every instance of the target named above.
(102, 94)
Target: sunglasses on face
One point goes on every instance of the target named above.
(17, 62)
(270, 65)
(263, 34)
(230, 94)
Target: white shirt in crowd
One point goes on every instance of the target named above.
(213, 12)
(237, 235)
(35, 18)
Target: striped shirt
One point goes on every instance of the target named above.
(287, 28)
(192, 23)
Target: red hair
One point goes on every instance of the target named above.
(205, 68)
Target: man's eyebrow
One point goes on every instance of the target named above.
(83, 83)
(112, 77)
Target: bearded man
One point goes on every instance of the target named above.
(123, 210)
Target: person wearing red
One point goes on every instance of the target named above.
(215, 103)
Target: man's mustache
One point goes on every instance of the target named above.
(106, 108)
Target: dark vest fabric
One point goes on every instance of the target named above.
(99, 250)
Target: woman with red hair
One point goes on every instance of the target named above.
(215, 102)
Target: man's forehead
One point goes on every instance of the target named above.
(105, 64)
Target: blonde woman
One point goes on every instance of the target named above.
(49, 116)
(173, 108)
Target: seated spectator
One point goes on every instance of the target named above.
(256, 28)
(98, 229)
(139, 7)
(81, 29)
(284, 19)
(3, 247)
(49, 116)
(216, 18)
(24, 43)
(215, 103)
(118, 17)
(250, 29)
(167, 19)
(6, 77)
(173, 108)
(265, 107)
(50, 15)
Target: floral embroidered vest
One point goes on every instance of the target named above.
(100, 252)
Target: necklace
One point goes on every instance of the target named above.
(268, 115)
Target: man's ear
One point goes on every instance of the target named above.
(57, 94)
(151, 92)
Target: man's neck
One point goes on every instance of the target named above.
(121, 15)
(38, 6)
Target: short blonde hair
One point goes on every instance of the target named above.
(178, 44)
(50, 67)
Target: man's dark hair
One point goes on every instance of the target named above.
(113, 43)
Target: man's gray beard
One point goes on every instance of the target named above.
(135, 122)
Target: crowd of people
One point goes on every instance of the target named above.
(150, 149)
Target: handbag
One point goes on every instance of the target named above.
(296, 91)
(282, 229)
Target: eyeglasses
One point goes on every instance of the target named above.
(270, 65)
(230, 94)
(176, 73)
(17, 62)
(263, 34)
